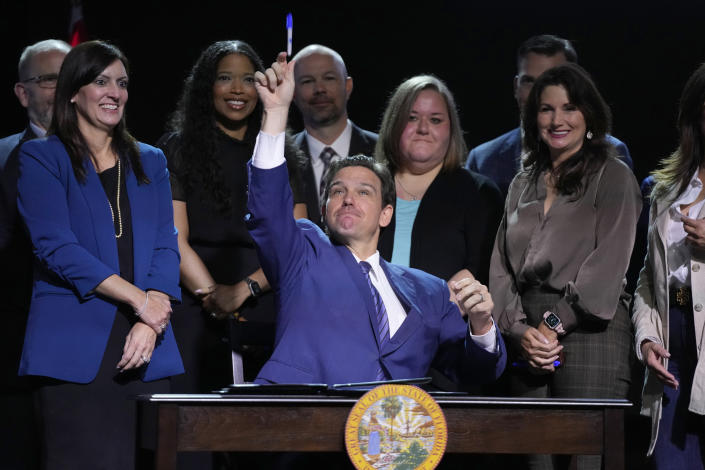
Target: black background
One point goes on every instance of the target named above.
(639, 54)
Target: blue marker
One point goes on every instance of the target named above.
(289, 33)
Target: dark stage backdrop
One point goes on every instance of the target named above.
(639, 54)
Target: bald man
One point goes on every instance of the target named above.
(322, 90)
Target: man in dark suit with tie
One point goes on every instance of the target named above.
(38, 70)
(499, 159)
(345, 314)
(323, 88)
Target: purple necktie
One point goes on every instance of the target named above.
(326, 156)
(381, 312)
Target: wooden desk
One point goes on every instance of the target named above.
(316, 424)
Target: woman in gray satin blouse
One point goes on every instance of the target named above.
(562, 250)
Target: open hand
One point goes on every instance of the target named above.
(653, 355)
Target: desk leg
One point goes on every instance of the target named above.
(167, 430)
(613, 450)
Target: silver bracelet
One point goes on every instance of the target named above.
(139, 312)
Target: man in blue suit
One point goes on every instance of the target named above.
(499, 159)
(344, 314)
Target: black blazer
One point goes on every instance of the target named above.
(361, 141)
(455, 226)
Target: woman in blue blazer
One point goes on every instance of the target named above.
(97, 205)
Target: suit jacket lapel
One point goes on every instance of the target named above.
(404, 290)
(311, 196)
(140, 212)
(97, 203)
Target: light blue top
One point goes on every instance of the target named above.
(405, 216)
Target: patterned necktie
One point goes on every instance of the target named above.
(326, 156)
(381, 311)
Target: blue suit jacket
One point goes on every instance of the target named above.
(8, 144)
(326, 324)
(73, 236)
(499, 159)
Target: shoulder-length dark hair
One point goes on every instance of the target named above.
(80, 67)
(396, 116)
(195, 121)
(676, 170)
(582, 92)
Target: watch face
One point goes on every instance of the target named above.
(552, 320)
(254, 285)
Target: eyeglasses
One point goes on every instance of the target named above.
(44, 81)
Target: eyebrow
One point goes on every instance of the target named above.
(340, 183)
(436, 113)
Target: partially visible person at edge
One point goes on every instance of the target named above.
(97, 205)
(562, 250)
(670, 294)
(213, 135)
(37, 71)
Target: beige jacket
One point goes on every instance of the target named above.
(650, 315)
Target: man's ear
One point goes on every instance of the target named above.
(348, 87)
(385, 217)
(21, 94)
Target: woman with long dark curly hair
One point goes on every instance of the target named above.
(562, 250)
(212, 137)
(670, 294)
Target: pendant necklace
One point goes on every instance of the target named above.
(414, 197)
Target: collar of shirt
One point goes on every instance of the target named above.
(687, 197)
(395, 310)
(341, 145)
(38, 131)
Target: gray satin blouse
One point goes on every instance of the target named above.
(580, 248)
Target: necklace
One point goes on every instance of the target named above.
(414, 197)
(117, 199)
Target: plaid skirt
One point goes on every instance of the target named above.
(597, 355)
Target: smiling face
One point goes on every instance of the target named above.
(101, 103)
(322, 90)
(354, 211)
(234, 94)
(425, 139)
(561, 124)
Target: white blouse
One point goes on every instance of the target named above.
(678, 249)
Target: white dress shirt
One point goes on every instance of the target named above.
(341, 145)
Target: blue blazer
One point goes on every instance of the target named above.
(326, 325)
(73, 236)
(499, 159)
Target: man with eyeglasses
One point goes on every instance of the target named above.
(38, 70)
